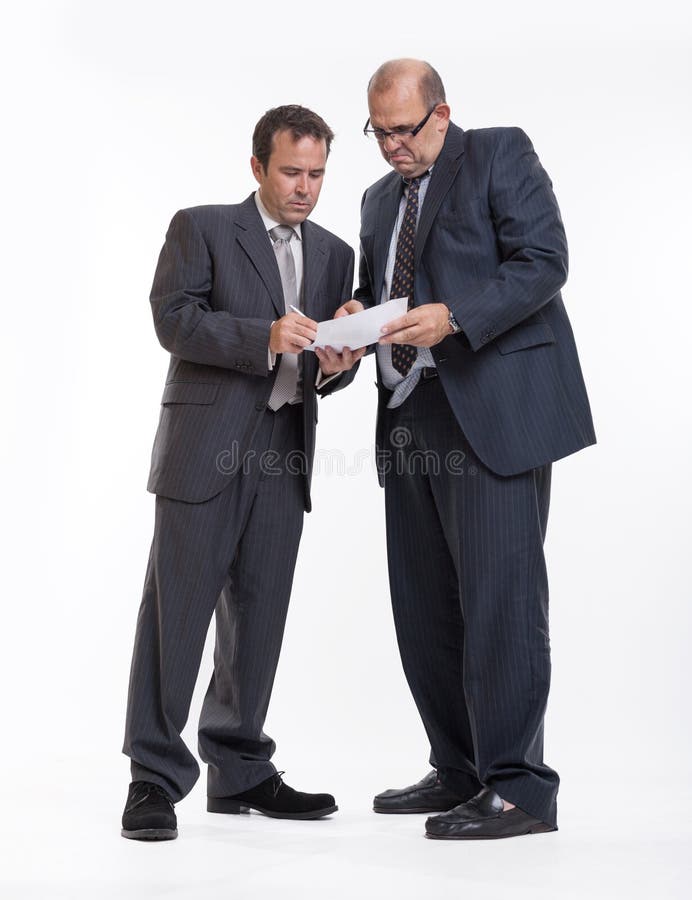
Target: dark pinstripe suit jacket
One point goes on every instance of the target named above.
(216, 291)
(491, 245)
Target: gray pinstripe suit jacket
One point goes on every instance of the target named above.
(491, 245)
(216, 291)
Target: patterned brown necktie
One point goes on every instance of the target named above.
(404, 355)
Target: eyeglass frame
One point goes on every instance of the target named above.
(409, 132)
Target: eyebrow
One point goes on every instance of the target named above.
(403, 127)
(299, 169)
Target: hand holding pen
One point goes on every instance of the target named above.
(292, 333)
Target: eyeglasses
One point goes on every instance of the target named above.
(380, 135)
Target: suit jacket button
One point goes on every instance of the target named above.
(260, 405)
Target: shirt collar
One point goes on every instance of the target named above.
(270, 223)
(426, 174)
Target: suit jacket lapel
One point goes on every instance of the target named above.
(446, 169)
(315, 258)
(253, 238)
(386, 220)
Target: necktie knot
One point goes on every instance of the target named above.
(413, 184)
(281, 233)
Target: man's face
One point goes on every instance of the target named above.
(292, 181)
(401, 108)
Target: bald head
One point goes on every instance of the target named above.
(409, 115)
(415, 75)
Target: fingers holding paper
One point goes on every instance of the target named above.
(355, 328)
(350, 307)
(422, 326)
(332, 362)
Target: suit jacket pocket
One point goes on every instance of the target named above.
(524, 336)
(198, 392)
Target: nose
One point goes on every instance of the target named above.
(302, 185)
(394, 138)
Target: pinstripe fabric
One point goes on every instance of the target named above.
(465, 551)
(470, 600)
(491, 245)
(215, 294)
(219, 518)
(205, 556)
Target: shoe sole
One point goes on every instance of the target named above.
(541, 828)
(233, 807)
(405, 812)
(150, 834)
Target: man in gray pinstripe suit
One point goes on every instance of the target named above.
(231, 468)
(480, 390)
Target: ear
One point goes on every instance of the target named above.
(441, 116)
(257, 169)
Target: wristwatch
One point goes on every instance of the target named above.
(453, 324)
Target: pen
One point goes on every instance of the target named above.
(299, 311)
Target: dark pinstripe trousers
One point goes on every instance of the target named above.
(235, 554)
(470, 600)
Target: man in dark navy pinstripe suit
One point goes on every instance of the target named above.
(480, 390)
(231, 469)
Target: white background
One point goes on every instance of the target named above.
(115, 116)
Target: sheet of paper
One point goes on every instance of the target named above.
(358, 329)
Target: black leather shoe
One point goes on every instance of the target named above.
(149, 814)
(428, 795)
(482, 817)
(276, 799)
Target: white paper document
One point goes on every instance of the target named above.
(359, 329)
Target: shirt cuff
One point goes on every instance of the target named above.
(323, 379)
(271, 357)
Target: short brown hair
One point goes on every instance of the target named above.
(299, 120)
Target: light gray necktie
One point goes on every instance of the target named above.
(286, 382)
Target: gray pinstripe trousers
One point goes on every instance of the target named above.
(235, 554)
(470, 601)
